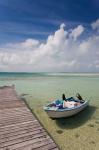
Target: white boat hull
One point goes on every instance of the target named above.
(59, 113)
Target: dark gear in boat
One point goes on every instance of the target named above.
(79, 96)
(63, 97)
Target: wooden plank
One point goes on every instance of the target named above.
(15, 121)
(7, 119)
(27, 144)
(14, 110)
(18, 126)
(8, 116)
(23, 138)
(13, 125)
(44, 144)
(19, 129)
(17, 138)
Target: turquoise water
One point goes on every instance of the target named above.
(46, 86)
(40, 88)
(43, 87)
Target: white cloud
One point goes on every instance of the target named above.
(77, 32)
(62, 51)
(62, 25)
(95, 25)
(30, 43)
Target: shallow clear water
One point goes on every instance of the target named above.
(44, 86)
(40, 88)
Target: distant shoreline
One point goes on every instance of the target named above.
(1, 72)
(21, 75)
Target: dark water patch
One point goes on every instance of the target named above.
(63, 123)
(77, 135)
(24, 94)
(91, 125)
(59, 131)
(77, 120)
(97, 122)
(98, 129)
(92, 142)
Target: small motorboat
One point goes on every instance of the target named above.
(56, 109)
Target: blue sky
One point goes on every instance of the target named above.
(20, 19)
(30, 21)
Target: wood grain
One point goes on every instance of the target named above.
(19, 128)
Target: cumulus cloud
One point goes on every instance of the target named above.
(62, 25)
(64, 50)
(77, 32)
(95, 25)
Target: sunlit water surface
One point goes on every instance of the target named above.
(80, 132)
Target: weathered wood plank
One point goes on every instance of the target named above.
(17, 138)
(43, 144)
(27, 144)
(19, 129)
(23, 139)
(14, 110)
(18, 126)
(15, 121)
(7, 119)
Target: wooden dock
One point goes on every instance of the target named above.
(19, 128)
